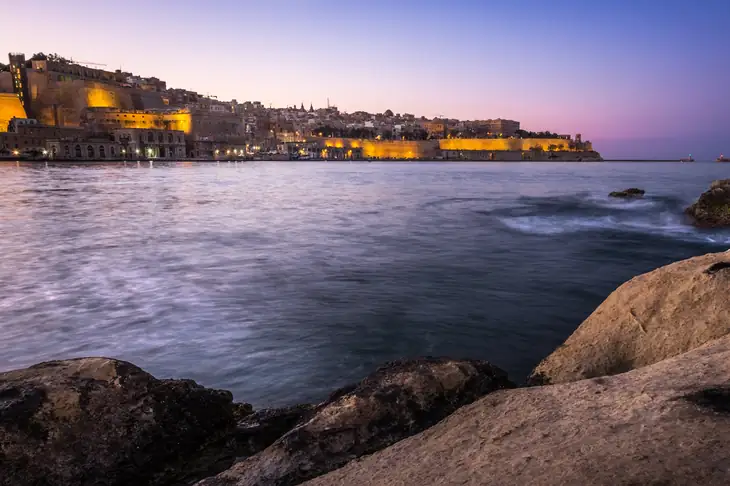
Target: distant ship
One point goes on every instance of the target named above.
(687, 159)
(722, 158)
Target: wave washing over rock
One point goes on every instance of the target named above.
(663, 216)
(661, 418)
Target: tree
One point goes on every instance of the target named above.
(552, 147)
(4, 68)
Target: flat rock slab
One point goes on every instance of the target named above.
(397, 401)
(666, 424)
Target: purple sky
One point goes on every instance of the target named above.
(641, 78)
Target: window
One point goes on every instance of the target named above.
(102, 152)
(150, 137)
(160, 138)
(90, 151)
(112, 151)
(66, 151)
(169, 138)
(77, 150)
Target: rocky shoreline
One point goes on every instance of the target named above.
(638, 394)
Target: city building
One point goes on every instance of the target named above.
(137, 142)
(93, 147)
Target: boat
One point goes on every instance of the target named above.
(687, 159)
(722, 158)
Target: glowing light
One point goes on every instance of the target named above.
(124, 151)
(45, 152)
(136, 151)
(15, 152)
(217, 151)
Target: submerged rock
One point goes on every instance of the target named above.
(99, 421)
(651, 317)
(666, 424)
(397, 401)
(712, 209)
(628, 193)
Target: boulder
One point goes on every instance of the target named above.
(397, 401)
(628, 193)
(99, 421)
(654, 316)
(260, 429)
(712, 209)
(666, 424)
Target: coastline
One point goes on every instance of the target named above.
(420, 421)
(243, 160)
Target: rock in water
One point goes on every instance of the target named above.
(666, 424)
(712, 209)
(262, 428)
(98, 421)
(628, 193)
(651, 317)
(397, 401)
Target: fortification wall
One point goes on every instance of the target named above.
(502, 144)
(397, 149)
(10, 107)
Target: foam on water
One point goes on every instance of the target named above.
(660, 216)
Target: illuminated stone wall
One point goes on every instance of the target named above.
(10, 107)
(372, 149)
(499, 144)
(115, 119)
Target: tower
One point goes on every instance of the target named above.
(20, 80)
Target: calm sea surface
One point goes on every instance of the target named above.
(281, 281)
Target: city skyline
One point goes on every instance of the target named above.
(640, 78)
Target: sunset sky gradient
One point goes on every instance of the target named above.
(641, 78)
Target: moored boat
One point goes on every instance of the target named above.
(722, 158)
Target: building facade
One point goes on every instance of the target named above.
(141, 143)
(83, 148)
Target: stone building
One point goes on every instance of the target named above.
(84, 148)
(141, 143)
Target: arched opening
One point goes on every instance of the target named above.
(77, 150)
(90, 151)
(150, 137)
(102, 152)
(113, 151)
(169, 138)
(160, 138)
(66, 151)
(163, 152)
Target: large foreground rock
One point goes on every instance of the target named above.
(98, 421)
(712, 209)
(397, 401)
(652, 317)
(667, 424)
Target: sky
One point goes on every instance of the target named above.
(640, 78)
